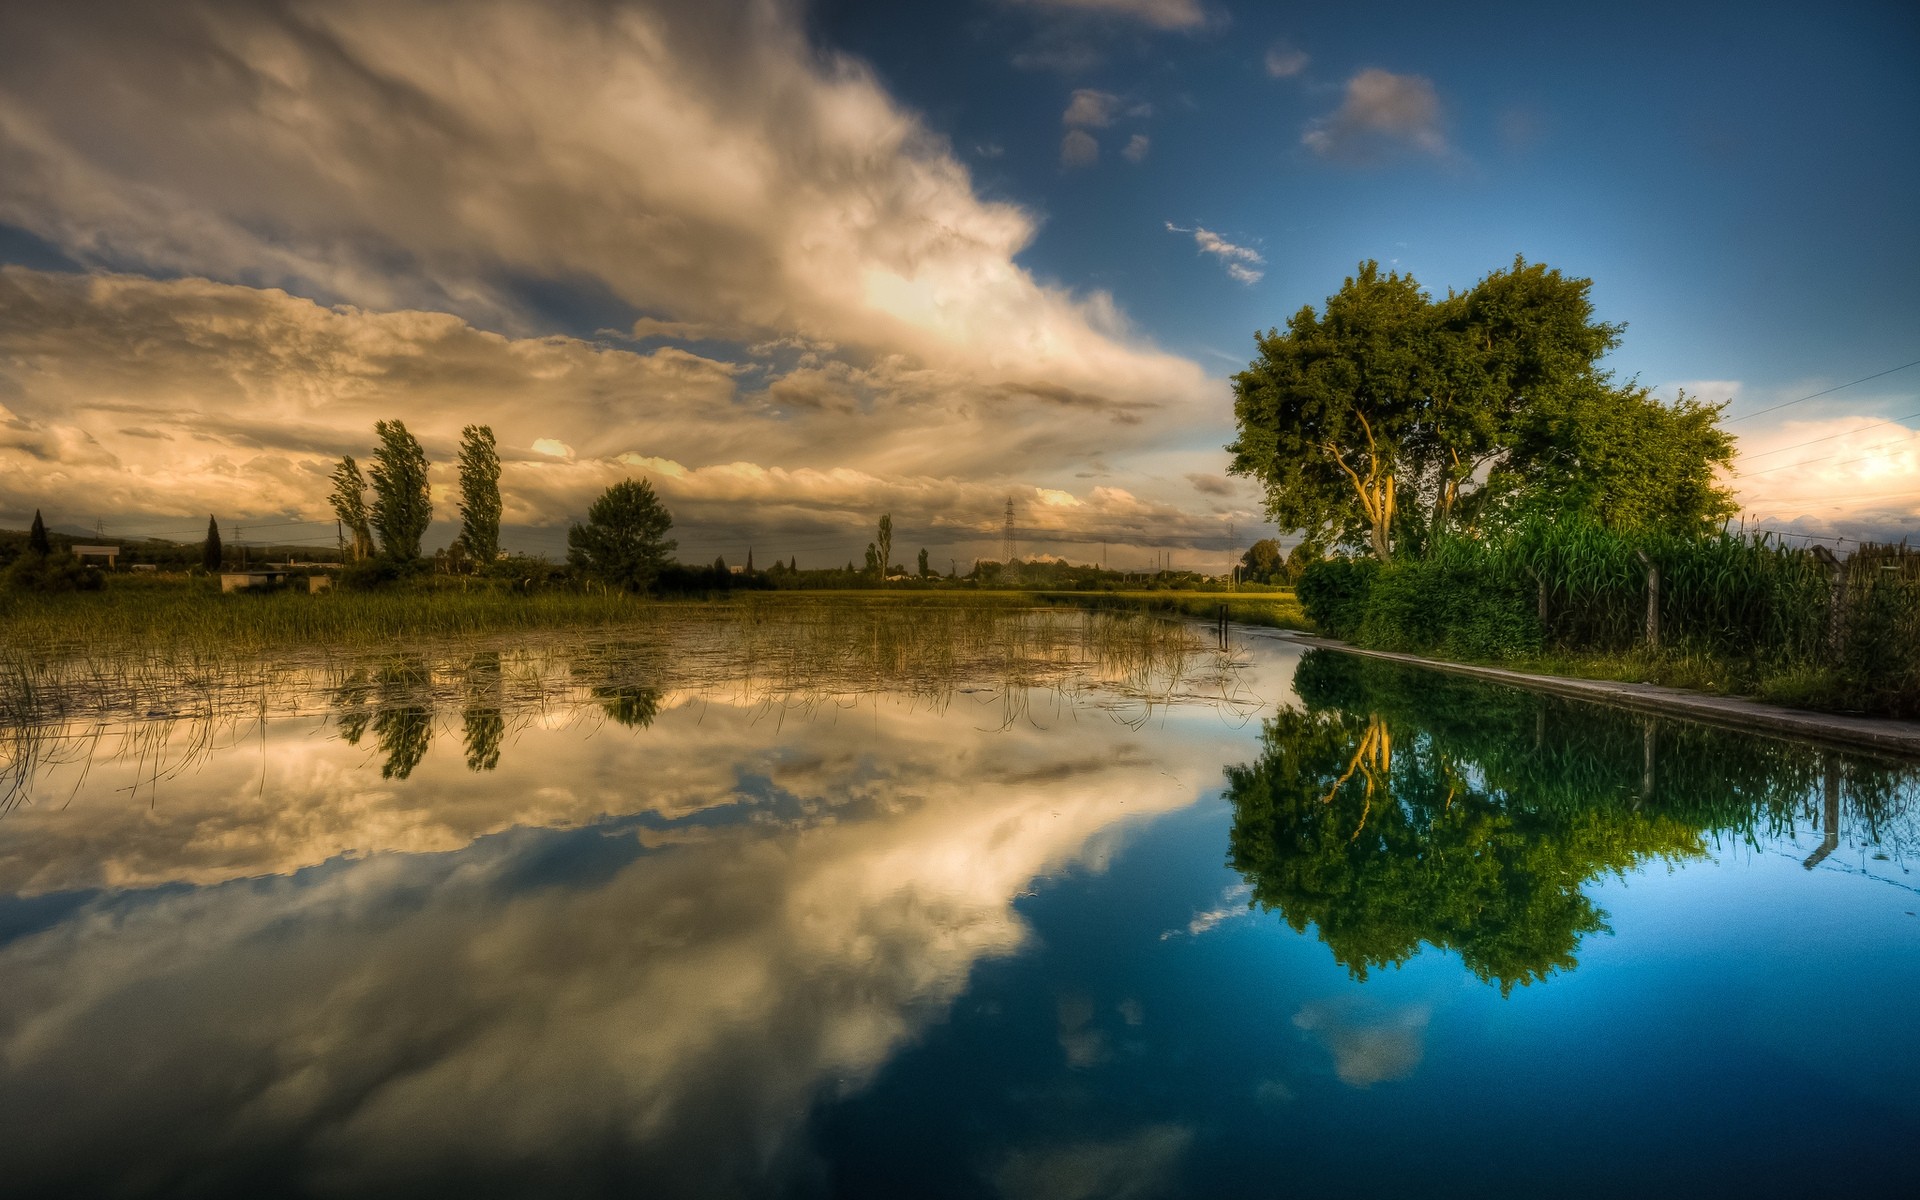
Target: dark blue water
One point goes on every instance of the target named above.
(1355, 930)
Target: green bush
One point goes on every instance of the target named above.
(1334, 592)
(52, 573)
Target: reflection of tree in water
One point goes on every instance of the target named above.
(623, 680)
(482, 723)
(630, 704)
(1403, 806)
(396, 706)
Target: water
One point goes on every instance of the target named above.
(653, 919)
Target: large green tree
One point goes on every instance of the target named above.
(883, 543)
(479, 494)
(1392, 414)
(212, 554)
(623, 542)
(402, 505)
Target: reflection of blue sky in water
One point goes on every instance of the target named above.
(862, 949)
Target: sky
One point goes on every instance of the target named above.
(799, 265)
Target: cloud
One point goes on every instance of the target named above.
(1212, 485)
(1240, 261)
(1132, 1167)
(1136, 148)
(1381, 110)
(1284, 61)
(128, 395)
(1368, 1046)
(704, 164)
(1854, 475)
(349, 203)
(1078, 149)
(1090, 109)
(1159, 14)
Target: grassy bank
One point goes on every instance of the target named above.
(1273, 609)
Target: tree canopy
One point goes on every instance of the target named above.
(1393, 415)
(349, 500)
(623, 542)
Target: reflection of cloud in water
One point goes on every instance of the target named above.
(1234, 904)
(659, 995)
(1369, 1045)
(1130, 1168)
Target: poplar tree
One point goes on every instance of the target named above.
(349, 500)
(402, 505)
(37, 540)
(479, 494)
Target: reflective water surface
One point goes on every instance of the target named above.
(1125, 913)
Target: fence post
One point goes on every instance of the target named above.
(1836, 600)
(1653, 599)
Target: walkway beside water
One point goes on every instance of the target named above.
(1874, 733)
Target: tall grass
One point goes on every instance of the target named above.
(1751, 613)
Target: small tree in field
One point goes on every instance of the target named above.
(623, 543)
(37, 540)
(213, 554)
(925, 570)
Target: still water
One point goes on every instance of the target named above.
(647, 918)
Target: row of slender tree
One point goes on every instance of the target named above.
(400, 506)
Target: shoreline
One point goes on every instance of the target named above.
(1887, 735)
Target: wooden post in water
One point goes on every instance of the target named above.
(1836, 601)
(1653, 599)
(1830, 839)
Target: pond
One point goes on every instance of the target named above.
(936, 904)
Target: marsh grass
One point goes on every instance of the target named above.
(400, 690)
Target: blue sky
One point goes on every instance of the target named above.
(801, 265)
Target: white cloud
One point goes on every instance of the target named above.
(1380, 110)
(1856, 474)
(1079, 149)
(1368, 1046)
(1136, 148)
(1090, 109)
(702, 163)
(1241, 262)
(1160, 14)
(1284, 61)
(552, 448)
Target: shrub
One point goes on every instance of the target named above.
(1334, 593)
(52, 573)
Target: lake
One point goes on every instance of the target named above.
(936, 904)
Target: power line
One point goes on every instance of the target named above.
(1830, 391)
(1807, 462)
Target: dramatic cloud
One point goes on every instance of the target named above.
(1160, 14)
(1381, 110)
(701, 167)
(1136, 148)
(700, 163)
(1240, 261)
(126, 395)
(1284, 61)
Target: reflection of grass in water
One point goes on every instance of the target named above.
(780, 650)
